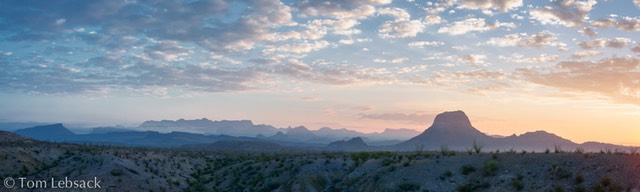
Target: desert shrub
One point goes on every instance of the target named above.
(318, 182)
(444, 150)
(606, 181)
(517, 182)
(477, 147)
(470, 151)
(579, 178)
(557, 148)
(117, 172)
(468, 187)
(467, 169)
(491, 167)
(598, 188)
(408, 186)
(580, 188)
(447, 173)
(386, 162)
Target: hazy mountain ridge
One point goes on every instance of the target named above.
(452, 130)
(247, 128)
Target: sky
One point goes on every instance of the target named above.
(569, 67)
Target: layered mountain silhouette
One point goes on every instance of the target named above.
(452, 130)
(206, 126)
(46, 132)
(246, 128)
(353, 144)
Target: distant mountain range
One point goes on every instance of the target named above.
(454, 131)
(451, 130)
(246, 128)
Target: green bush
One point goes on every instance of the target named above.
(579, 178)
(447, 173)
(407, 186)
(491, 167)
(117, 172)
(467, 169)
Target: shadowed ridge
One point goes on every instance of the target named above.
(53, 132)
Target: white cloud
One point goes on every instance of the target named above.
(588, 31)
(352, 41)
(346, 41)
(570, 13)
(519, 58)
(422, 44)
(432, 20)
(398, 60)
(470, 25)
(474, 59)
(605, 42)
(587, 53)
(624, 23)
(500, 5)
(339, 9)
(544, 38)
(303, 47)
(401, 27)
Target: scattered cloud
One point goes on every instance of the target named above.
(433, 20)
(624, 23)
(604, 42)
(636, 49)
(394, 60)
(401, 27)
(500, 5)
(519, 58)
(473, 59)
(339, 9)
(615, 78)
(588, 31)
(472, 24)
(570, 13)
(544, 38)
(423, 44)
(586, 53)
(303, 47)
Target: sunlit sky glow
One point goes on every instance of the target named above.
(570, 67)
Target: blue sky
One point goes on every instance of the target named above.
(363, 65)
